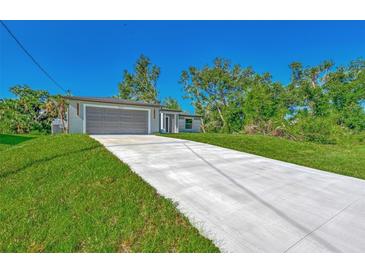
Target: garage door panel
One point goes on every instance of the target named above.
(116, 121)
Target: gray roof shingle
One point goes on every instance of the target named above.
(111, 100)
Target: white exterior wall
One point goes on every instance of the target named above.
(195, 127)
(76, 122)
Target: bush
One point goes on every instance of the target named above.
(30, 110)
(316, 129)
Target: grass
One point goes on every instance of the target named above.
(66, 193)
(347, 159)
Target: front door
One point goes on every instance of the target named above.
(167, 124)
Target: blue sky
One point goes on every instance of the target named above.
(88, 57)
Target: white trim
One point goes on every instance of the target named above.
(170, 112)
(176, 124)
(118, 107)
(161, 121)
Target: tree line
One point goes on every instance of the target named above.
(320, 103)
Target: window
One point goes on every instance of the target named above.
(78, 109)
(188, 123)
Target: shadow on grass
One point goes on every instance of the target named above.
(7, 139)
(46, 159)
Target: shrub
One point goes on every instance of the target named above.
(30, 110)
(316, 129)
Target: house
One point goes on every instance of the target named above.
(103, 115)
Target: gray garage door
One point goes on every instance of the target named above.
(116, 121)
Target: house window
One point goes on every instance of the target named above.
(78, 109)
(154, 113)
(188, 123)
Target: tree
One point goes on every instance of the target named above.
(323, 91)
(346, 92)
(308, 88)
(171, 103)
(264, 106)
(319, 98)
(142, 84)
(57, 106)
(230, 97)
(209, 90)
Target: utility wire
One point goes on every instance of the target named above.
(31, 57)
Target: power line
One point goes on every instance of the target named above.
(31, 57)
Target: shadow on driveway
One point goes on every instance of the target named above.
(272, 208)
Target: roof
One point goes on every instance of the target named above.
(170, 110)
(111, 100)
(180, 112)
(191, 115)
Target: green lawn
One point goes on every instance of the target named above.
(66, 193)
(343, 159)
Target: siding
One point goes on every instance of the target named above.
(195, 127)
(75, 122)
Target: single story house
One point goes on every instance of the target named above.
(106, 115)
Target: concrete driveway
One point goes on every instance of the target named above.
(247, 203)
